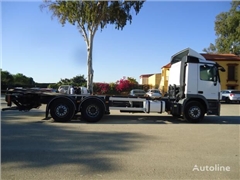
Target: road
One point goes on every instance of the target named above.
(128, 146)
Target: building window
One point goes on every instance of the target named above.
(231, 73)
(230, 87)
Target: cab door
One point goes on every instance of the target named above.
(208, 86)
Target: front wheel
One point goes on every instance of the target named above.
(194, 112)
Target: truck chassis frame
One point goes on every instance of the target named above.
(63, 108)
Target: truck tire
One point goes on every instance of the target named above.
(193, 112)
(92, 110)
(62, 110)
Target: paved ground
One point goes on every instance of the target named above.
(130, 146)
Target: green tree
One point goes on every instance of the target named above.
(22, 80)
(227, 28)
(31, 81)
(54, 86)
(6, 78)
(211, 49)
(65, 81)
(132, 80)
(79, 80)
(89, 16)
(112, 88)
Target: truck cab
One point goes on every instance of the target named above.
(194, 79)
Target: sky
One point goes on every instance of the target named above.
(37, 46)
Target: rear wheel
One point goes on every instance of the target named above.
(92, 110)
(194, 112)
(62, 110)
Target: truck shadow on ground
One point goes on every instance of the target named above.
(32, 145)
(144, 119)
(21, 115)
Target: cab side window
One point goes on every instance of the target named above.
(206, 73)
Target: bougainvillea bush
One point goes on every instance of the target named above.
(101, 88)
(123, 85)
(113, 90)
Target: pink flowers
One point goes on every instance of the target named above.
(122, 85)
(101, 88)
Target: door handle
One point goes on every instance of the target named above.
(200, 92)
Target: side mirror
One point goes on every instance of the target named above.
(219, 67)
(222, 69)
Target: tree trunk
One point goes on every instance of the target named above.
(89, 64)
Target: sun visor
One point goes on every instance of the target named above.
(193, 56)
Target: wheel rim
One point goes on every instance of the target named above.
(92, 110)
(61, 110)
(194, 112)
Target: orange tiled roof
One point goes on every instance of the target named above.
(167, 66)
(146, 75)
(221, 57)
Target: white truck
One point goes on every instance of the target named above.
(194, 90)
